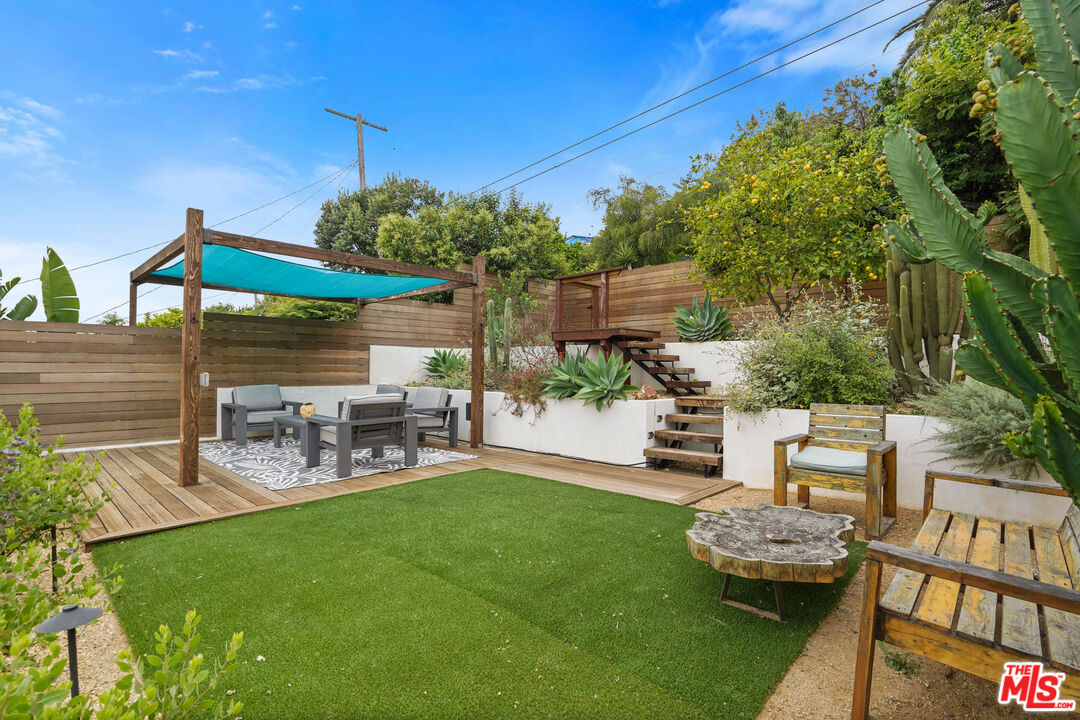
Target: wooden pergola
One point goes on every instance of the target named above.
(191, 244)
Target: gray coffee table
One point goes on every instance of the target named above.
(295, 422)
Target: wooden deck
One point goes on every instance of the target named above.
(142, 482)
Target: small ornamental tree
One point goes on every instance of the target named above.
(797, 206)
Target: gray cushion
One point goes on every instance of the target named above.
(429, 422)
(258, 397)
(359, 400)
(353, 403)
(265, 416)
(428, 397)
(845, 462)
(391, 389)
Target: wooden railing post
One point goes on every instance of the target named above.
(558, 304)
(190, 345)
(604, 298)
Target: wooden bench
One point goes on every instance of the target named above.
(854, 428)
(974, 592)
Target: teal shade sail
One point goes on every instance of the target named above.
(243, 270)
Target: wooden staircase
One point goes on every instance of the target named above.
(697, 420)
(661, 367)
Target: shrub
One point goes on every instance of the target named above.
(702, 322)
(979, 418)
(824, 351)
(563, 382)
(39, 491)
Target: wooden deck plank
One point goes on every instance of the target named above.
(978, 613)
(904, 589)
(939, 601)
(1019, 618)
(150, 472)
(1062, 628)
(129, 508)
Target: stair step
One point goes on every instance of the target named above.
(688, 383)
(695, 418)
(711, 401)
(690, 436)
(642, 344)
(671, 371)
(644, 357)
(692, 457)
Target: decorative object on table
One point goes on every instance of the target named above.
(283, 468)
(845, 449)
(71, 617)
(307, 410)
(254, 407)
(781, 544)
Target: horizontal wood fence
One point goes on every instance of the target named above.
(97, 384)
(645, 299)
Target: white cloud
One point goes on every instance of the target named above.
(268, 14)
(269, 26)
(262, 82)
(166, 53)
(201, 74)
(295, 8)
(190, 27)
(169, 53)
(28, 138)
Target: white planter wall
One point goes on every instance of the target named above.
(617, 434)
(748, 458)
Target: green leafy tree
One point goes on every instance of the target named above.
(796, 206)
(933, 92)
(174, 317)
(520, 240)
(113, 318)
(277, 306)
(642, 225)
(350, 222)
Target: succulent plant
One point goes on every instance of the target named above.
(444, 362)
(499, 331)
(703, 322)
(598, 382)
(1026, 319)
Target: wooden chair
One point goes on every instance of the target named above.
(845, 449)
(975, 593)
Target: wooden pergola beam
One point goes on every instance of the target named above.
(162, 256)
(243, 242)
(416, 293)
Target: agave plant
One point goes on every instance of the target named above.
(444, 362)
(1025, 314)
(703, 322)
(565, 378)
(604, 381)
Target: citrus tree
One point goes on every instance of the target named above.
(797, 206)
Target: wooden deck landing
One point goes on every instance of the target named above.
(142, 482)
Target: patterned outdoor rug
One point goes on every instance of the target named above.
(280, 468)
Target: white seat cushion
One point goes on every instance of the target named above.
(845, 462)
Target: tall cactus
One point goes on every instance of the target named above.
(1026, 320)
(499, 333)
(925, 303)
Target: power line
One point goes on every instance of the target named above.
(117, 307)
(283, 197)
(712, 97)
(317, 191)
(687, 92)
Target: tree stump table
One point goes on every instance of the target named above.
(781, 544)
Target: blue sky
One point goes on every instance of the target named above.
(115, 117)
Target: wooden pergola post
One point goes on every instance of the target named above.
(190, 346)
(133, 305)
(476, 422)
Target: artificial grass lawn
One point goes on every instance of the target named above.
(479, 594)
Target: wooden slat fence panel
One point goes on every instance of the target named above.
(645, 299)
(99, 384)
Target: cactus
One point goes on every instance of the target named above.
(925, 303)
(1025, 318)
(499, 333)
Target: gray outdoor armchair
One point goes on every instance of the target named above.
(432, 408)
(254, 407)
(367, 421)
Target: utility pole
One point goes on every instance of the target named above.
(360, 123)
